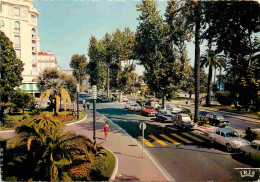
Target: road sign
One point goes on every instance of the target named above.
(142, 126)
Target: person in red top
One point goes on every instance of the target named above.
(106, 130)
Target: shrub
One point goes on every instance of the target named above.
(224, 98)
(65, 118)
(80, 172)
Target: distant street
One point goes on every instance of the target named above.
(187, 156)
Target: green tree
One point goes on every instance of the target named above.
(54, 93)
(22, 99)
(212, 60)
(44, 78)
(70, 83)
(96, 68)
(156, 52)
(10, 71)
(79, 63)
(234, 28)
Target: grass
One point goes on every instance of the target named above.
(17, 117)
(233, 110)
(103, 167)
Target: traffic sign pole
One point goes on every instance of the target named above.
(143, 141)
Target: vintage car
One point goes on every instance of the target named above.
(228, 138)
(217, 120)
(148, 112)
(173, 108)
(164, 115)
(125, 99)
(135, 107)
(252, 151)
(152, 105)
(185, 111)
(128, 104)
(184, 121)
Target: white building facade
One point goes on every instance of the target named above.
(19, 22)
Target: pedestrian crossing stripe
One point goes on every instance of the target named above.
(181, 138)
(146, 142)
(158, 140)
(203, 136)
(193, 137)
(170, 139)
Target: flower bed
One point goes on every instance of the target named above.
(65, 118)
(63, 109)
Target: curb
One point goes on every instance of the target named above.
(156, 163)
(113, 176)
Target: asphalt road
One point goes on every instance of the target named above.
(191, 157)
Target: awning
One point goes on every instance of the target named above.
(30, 87)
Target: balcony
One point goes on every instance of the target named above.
(17, 30)
(17, 45)
(34, 36)
(34, 49)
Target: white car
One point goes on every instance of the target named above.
(135, 107)
(228, 138)
(253, 150)
(125, 99)
(173, 108)
(128, 104)
(184, 121)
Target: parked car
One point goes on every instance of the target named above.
(184, 121)
(252, 151)
(185, 111)
(228, 138)
(127, 106)
(135, 107)
(164, 115)
(148, 112)
(125, 99)
(217, 120)
(105, 99)
(203, 113)
(173, 108)
(152, 105)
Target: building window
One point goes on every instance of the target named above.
(33, 33)
(33, 18)
(17, 41)
(33, 45)
(17, 26)
(16, 11)
(18, 53)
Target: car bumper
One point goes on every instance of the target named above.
(223, 124)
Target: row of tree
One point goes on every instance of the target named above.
(159, 44)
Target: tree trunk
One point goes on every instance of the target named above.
(197, 63)
(190, 94)
(209, 86)
(220, 70)
(55, 111)
(163, 101)
(108, 80)
(215, 75)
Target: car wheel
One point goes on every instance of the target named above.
(212, 140)
(229, 147)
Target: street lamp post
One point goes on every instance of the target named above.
(77, 101)
(0, 91)
(94, 95)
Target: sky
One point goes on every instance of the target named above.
(65, 26)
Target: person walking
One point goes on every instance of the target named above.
(106, 130)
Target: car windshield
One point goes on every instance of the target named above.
(232, 134)
(220, 117)
(186, 119)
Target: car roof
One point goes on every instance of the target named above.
(256, 141)
(226, 130)
(183, 115)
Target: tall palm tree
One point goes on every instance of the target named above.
(212, 60)
(55, 92)
(42, 144)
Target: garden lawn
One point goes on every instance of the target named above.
(13, 119)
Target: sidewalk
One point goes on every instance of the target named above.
(131, 166)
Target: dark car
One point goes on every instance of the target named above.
(203, 113)
(184, 121)
(164, 115)
(217, 120)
